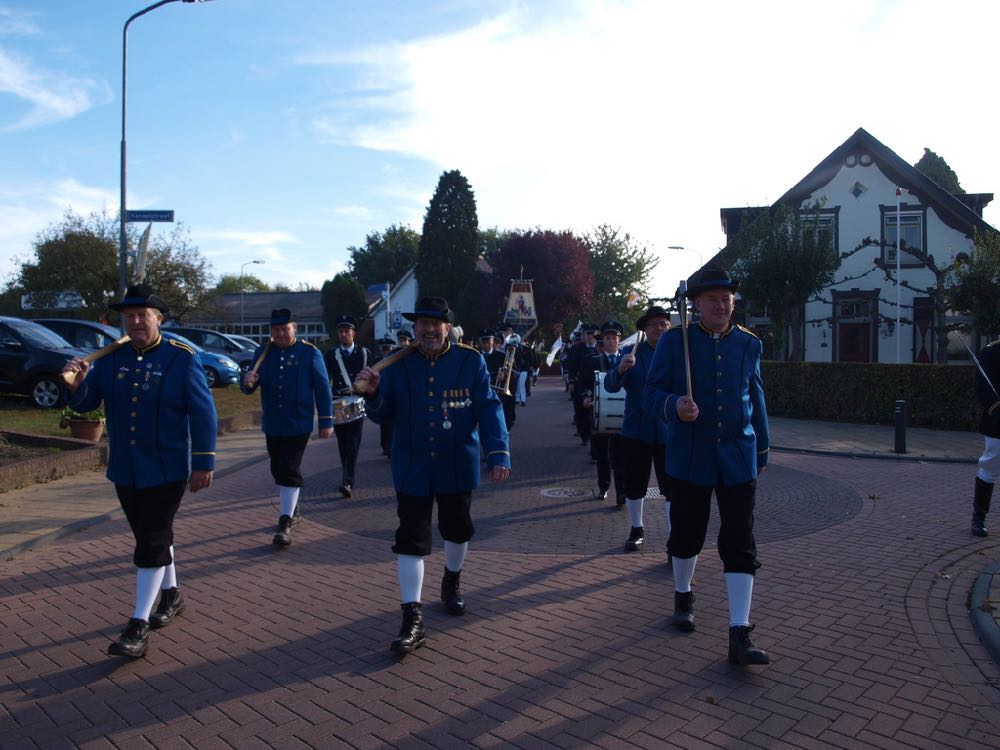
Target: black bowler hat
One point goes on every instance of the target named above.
(486, 333)
(612, 326)
(140, 295)
(713, 277)
(651, 312)
(281, 316)
(431, 307)
(347, 320)
(404, 333)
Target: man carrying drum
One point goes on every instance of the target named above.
(293, 389)
(343, 363)
(606, 445)
(442, 403)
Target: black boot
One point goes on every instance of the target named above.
(171, 604)
(683, 617)
(133, 640)
(635, 539)
(981, 506)
(454, 604)
(283, 536)
(411, 633)
(742, 649)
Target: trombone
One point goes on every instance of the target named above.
(501, 384)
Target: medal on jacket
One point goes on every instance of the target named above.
(445, 423)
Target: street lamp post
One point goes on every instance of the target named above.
(122, 237)
(243, 290)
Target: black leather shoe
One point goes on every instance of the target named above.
(602, 494)
(411, 632)
(133, 640)
(742, 649)
(345, 489)
(635, 539)
(283, 537)
(979, 524)
(454, 604)
(171, 604)
(683, 617)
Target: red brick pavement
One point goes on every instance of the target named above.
(861, 603)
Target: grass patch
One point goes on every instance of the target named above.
(18, 414)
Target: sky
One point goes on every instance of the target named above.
(286, 131)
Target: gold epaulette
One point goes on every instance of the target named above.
(747, 330)
(179, 345)
(470, 348)
(308, 343)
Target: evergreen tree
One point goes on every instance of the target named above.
(449, 245)
(977, 284)
(933, 166)
(342, 295)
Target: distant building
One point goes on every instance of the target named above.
(250, 314)
(387, 311)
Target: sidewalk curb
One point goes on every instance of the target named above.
(879, 456)
(983, 621)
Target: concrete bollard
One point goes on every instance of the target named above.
(899, 416)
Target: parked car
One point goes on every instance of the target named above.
(220, 343)
(90, 335)
(219, 369)
(32, 359)
(246, 341)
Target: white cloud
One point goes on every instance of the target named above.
(48, 96)
(14, 22)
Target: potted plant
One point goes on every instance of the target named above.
(87, 426)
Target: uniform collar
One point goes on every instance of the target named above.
(151, 347)
(292, 343)
(712, 334)
(432, 357)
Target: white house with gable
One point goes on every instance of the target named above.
(856, 189)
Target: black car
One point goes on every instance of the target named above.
(32, 359)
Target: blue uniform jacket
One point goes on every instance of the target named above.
(160, 413)
(292, 380)
(648, 426)
(728, 443)
(439, 408)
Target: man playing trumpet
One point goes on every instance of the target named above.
(441, 402)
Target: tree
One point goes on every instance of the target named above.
(386, 256)
(782, 258)
(449, 245)
(342, 295)
(619, 265)
(977, 284)
(232, 283)
(80, 256)
(933, 166)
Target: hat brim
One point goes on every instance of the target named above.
(446, 316)
(155, 302)
(694, 291)
(640, 324)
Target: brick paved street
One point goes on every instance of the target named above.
(861, 603)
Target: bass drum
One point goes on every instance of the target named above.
(609, 408)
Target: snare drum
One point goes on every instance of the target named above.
(348, 409)
(609, 408)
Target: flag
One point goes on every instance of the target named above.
(556, 346)
(633, 299)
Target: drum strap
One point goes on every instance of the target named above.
(343, 368)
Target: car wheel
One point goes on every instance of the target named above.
(211, 377)
(47, 391)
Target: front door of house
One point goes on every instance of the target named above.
(854, 342)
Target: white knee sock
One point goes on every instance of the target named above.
(634, 508)
(170, 572)
(410, 569)
(454, 555)
(683, 572)
(147, 587)
(739, 586)
(666, 508)
(289, 497)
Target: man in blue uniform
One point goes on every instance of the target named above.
(988, 393)
(161, 433)
(343, 363)
(644, 434)
(606, 447)
(717, 439)
(578, 353)
(442, 404)
(294, 388)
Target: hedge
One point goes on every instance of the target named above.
(937, 396)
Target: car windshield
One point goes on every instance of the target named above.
(178, 337)
(38, 335)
